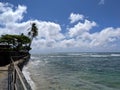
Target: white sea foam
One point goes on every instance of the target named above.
(99, 55)
(77, 54)
(115, 55)
(35, 63)
(89, 55)
(93, 54)
(74, 54)
(59, 56)
(105, 55)
(55, 56)
(34, 58)
(28, 78)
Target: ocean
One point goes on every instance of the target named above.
(74, 71)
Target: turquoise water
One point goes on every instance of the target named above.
(75, 71)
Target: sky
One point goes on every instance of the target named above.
(64, 26)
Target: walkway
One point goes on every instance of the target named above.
(12, 78)
(3, 78)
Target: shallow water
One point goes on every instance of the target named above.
(74, 71)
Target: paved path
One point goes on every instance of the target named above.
(3, 78)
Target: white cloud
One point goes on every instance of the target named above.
(50, 35)
(8, 15)
(49, 30)
(75, 17)
(67, 43)
(102, 2)
(10, 19)
(106, 36)
(79, 28)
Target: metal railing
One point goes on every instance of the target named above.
(16, 79)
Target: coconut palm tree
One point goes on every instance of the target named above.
(33, 32)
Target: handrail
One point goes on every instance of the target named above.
(16, 79)
(17, 70)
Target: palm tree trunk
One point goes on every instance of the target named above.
(30, 42)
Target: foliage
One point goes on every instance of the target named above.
(15, 41)
(20, 42)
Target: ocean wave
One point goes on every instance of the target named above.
(78, 54)
(74, 54)
(115, 55)
(99, 55)
(59, 56)
(37, 62)
(93, 55)
(89, 55)
(34, 57)
(28, 78)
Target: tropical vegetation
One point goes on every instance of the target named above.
(20, 42)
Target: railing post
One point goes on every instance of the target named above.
(16, 80)
(10, 76)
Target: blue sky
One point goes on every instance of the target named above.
(106, 14)
(75, 25)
